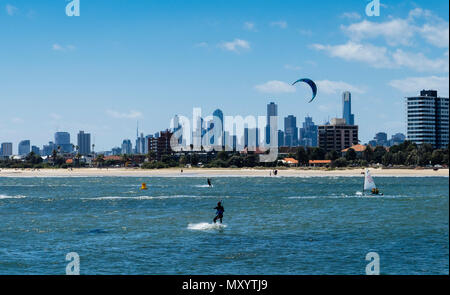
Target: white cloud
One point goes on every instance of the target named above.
(412, 85)
(281, 24)
(381, 57)
(337, 87)
(420, 62)
(128, 115)
(236, 45)
(398, 31)
(351, 51)
(11, 10)
(395, 31)
(58, 47)
(436, 35)
(275, 87)
(249, 26)
(351, 15)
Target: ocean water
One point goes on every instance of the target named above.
(278, 225)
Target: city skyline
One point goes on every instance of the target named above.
(291, 135)
(137, 65)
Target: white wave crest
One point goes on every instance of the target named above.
(206, 226)
(4, 197)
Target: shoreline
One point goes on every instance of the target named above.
(218, 172)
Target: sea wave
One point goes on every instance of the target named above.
(151, 197)
(206, 226)
(5, 197)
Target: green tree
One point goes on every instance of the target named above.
(341, 162)
(368, 154)
(437, 157)
(333, 155)
(378, 154)
(222, 155)
(302, 156)
(350, 155)
(236, 160)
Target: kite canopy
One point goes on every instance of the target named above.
(311, 84)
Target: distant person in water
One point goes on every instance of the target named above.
(209, 182)
(219, 212)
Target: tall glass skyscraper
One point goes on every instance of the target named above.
(62, 139)
(217, 117)
(127, 148)
(84, 143)
(308, 134)
(290, 131)
(272, 111)
(24, 147)
(428, 120)
(347, 108)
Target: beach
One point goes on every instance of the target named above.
(217, 172)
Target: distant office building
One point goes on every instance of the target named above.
(427, 118)
(272, 111)
(160, 145)
(47, 150)
(7, 149)
(217, 117)
(290, 131)
(116, 151)
(24, 147)
(251, 138)
(280, 138)
(36, 150)
(337, 135)
(146, 149)
(84, 143)
(62, 140)
(396, 139)
(308, 134)
(380, 139)
(347, 108)
(140, 145)
(127, 148)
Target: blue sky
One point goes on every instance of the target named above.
(122, 61)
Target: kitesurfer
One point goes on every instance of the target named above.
(219, 212)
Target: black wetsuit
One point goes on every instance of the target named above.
(219, 213)
(209, 182)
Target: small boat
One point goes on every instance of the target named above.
(143, 186)
(369, 184)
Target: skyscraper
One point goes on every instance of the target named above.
(127, 147)
(7, 149)
(337, 135)
(84, 143)
(217, 117)
(308, 134)
(347, 108)
(427, 118)
(272, 111)
(24, 147)
(36, 150)
(290, 131)
(280, 138)
(62, 139)
(47, 150)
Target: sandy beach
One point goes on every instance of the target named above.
(204, 172)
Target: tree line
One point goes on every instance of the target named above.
(405, 154)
